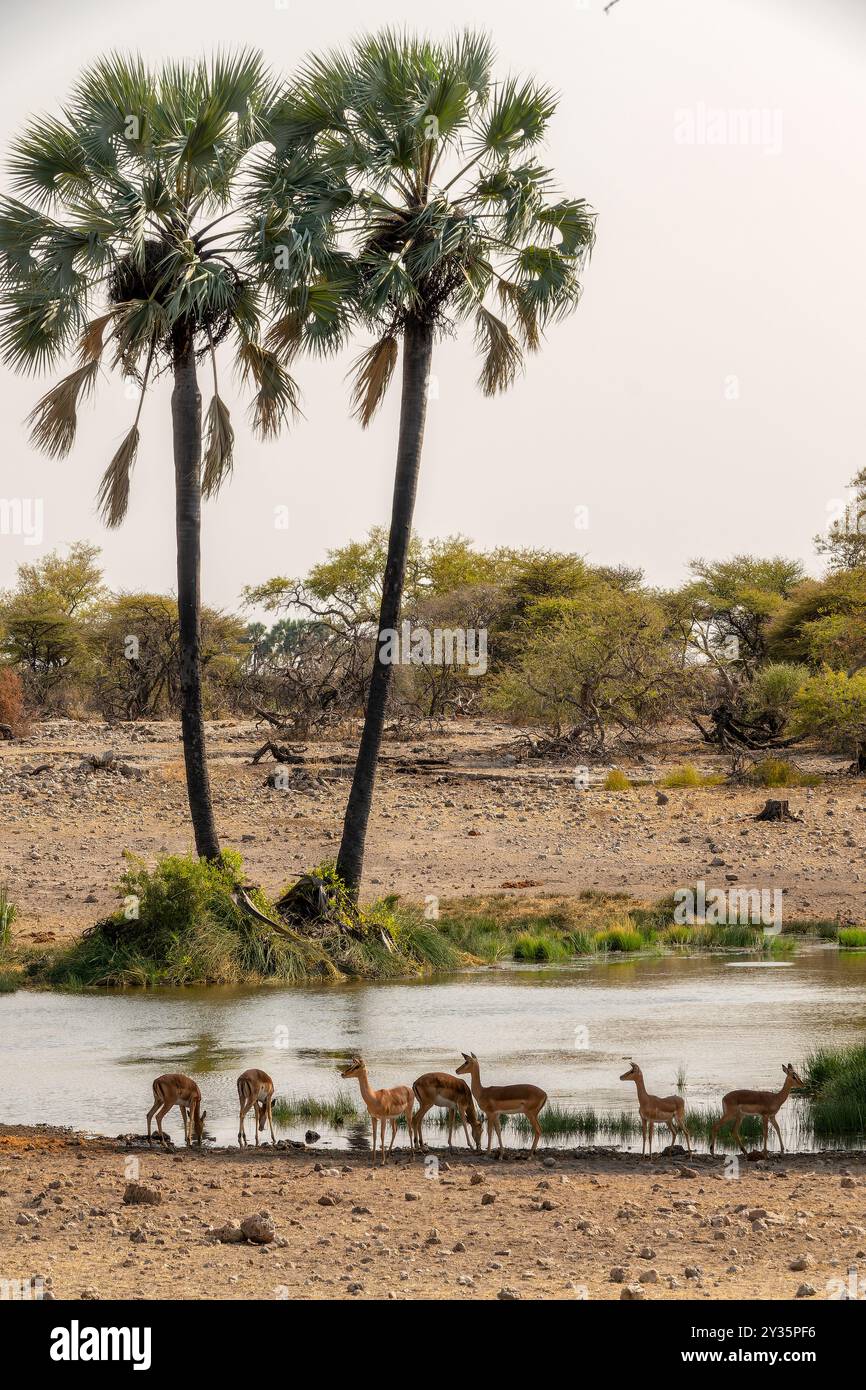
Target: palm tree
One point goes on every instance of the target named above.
(453, 219)
(132, 239)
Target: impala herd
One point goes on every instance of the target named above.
(439, 1088)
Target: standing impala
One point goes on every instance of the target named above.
(384, 1105)
(440, 1088)
(256, 1093)
(176, 1089)
(664, 1110)
(767, 1104)
(504, 1100)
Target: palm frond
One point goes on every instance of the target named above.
(372, 374)
(219, 447)
(54, 419)
(277, 398)
(113, 496)
(502, 355)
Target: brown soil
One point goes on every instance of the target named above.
(555, 1228)
(482, 821)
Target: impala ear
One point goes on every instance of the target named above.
(475, 1057)
(465, 1056)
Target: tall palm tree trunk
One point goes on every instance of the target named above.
(186, 425)
(417, 353)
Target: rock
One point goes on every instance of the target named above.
(136, 1194)
(259, 1228)
(802, 1262)
(476, 1180)
(507, 1295)
(632, 1291)
(693, 1271)
(412, 1196)
(487, 1199)
(230, 1234)
(617, 1275)
(329, 1199)
(806, 1291)
(648, 1276)
(311, 1137)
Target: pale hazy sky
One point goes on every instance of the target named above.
(707, 396)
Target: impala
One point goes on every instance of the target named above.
(767, 1104)
(665, 1110)
(256, 1093)
(439, 1088)
(383, 1105)
(176, 1089)
(504, 1100)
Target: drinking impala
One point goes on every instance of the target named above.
(175, 1089)
(440, 1088)
(256, 1093)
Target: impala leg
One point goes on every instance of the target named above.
(150, 1114)
(684, 1131)
(778, 1131)
(498, 1127)
(257, 1119)
(533, 1120)
(160, 1116)
(419, 1116)
(465, 1128)
(373, 1147)
(490, 1119)
(271, 1120)
(674, 1131)
(765, 1124)
(643, 1137)
(409, 1109)
(652, 1125)
(736, 1133)
(382, 1137)
(450, 1129)
(242, 1134)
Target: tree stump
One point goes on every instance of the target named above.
(776, 810)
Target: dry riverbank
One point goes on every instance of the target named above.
(583, 1225)
(474, 821)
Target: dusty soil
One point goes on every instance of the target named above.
(549, 1227)
(481, 820)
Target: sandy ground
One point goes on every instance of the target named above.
(478, 822)
(586, 1226)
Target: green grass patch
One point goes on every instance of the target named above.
(338, 1109)
(541, 948)
(687, 775)
(835, 1079)
(777, 772)
(854, 938)
(7, 917)
(617, 781)
(623, 937)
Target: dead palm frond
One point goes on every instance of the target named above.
(113, 496)
(219, 447)
(54, 419)
(372, 374)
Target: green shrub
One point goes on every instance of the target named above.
(616, 781)
(7, 917)
(687, 775)
(539, 948)
(836, 1085)
(852, 937)
(620, 938)
(776, 772)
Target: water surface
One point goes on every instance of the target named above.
(89, 1059)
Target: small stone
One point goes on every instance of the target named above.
(632, 1291)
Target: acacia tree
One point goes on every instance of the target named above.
(132, 240)
(453, 219)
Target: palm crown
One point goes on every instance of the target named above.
(133, 232)
(450, 214)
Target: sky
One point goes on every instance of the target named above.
(705, 399)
